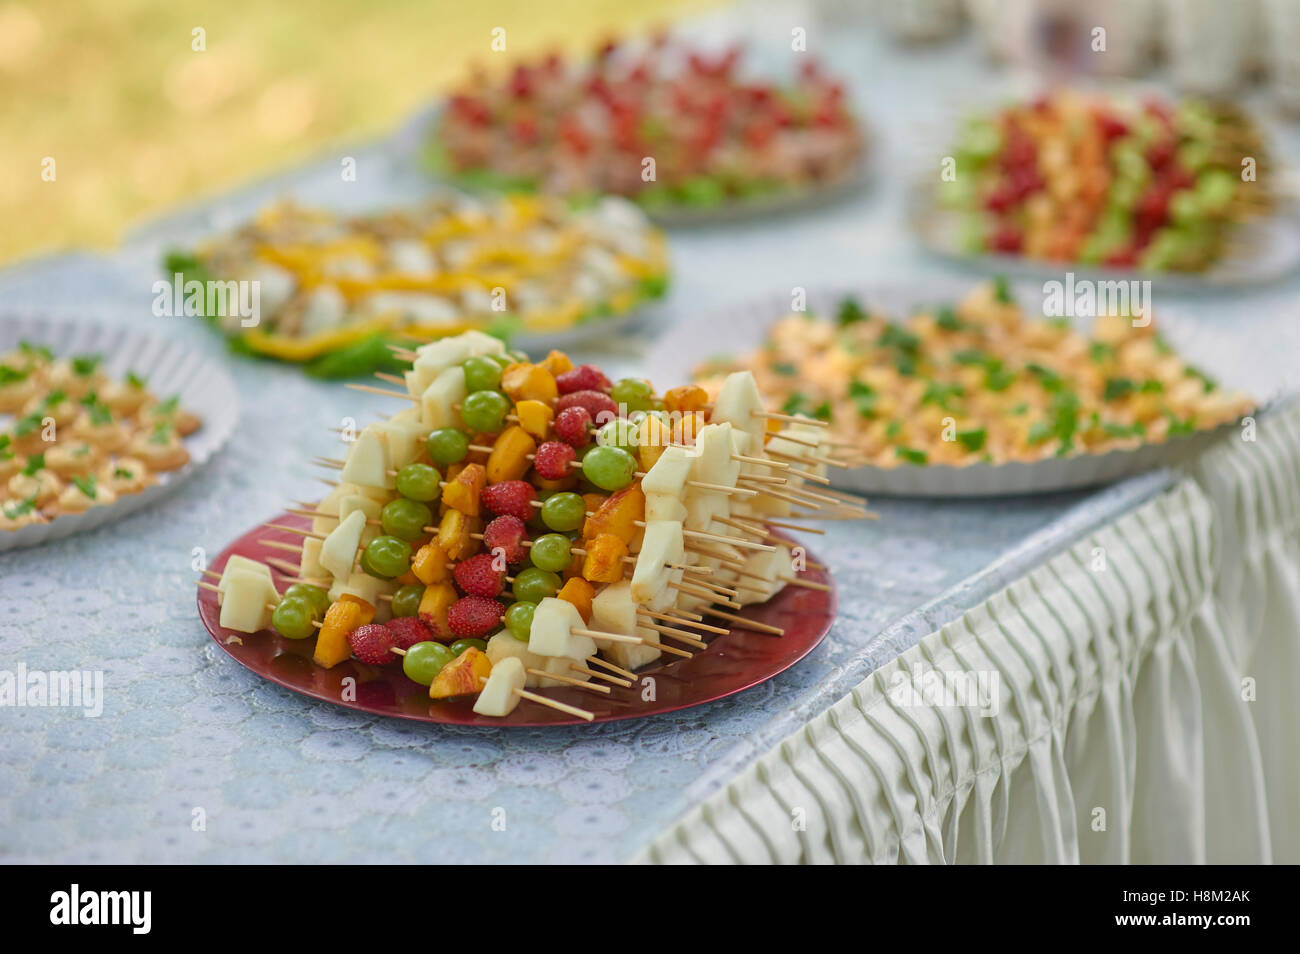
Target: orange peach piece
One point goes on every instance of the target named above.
(580, 593)
(463, 676)
(509, 457)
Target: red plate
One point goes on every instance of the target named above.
(732, 663)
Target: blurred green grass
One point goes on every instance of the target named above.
(136, 120)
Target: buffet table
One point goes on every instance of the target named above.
(1155, 691)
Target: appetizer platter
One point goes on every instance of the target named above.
(974, 398)
(1185, 191)
(724, 144)
(334, 291)
(523, 542)
(96, 423)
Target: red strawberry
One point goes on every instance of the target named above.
(511, 497)
(372, 644)
(474, 616)
(596, 403)
(1007, 238)
(552, 460)
(507, 534)
(406, 631)
(573, 425)
(585, 377)
(477, 577)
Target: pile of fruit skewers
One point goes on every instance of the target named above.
(78, 439)
(530, 525)
(334, 290)
(1093, 179)
(714, 134)
(981, 382)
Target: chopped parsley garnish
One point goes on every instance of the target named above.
(15, 510)
(1151, 386)
(168, 406)
(1117, 388)
(971, 357)
(1002, 290)
(1021, 408)
(34, 463)
(88, 485)
(905, 364)
(1099, 351)
(1209, 383)
(35, 351)
(796, 403)
(28, 423)
(121, 473)
(973, 440)
(894, 429)
(134, 380)
(5, 452)
(10, 375)
(946, 318)
(998, 377)
(938, 393)
(100, 415)
(822, 411)
(84, 365)
(895, 337)
(850, 312)
(1179, 428)
(911, 455)
(162, 433)
(1112, 429)
(864, 398)
(54, 398)
(784, 368)
(1049, 379)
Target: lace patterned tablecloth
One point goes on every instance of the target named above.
(282, 778)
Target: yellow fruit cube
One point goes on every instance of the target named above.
(535, 418)
(653, 437)
(435, 602)
(462, 493)
(463, 676)
(332, 646)
(509, 457)
(429, 565)
(557, 362)
(580, 593)
(604, 560)
(529, 382)
(453, 534)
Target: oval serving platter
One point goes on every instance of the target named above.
(733, 663)
(203, 385)
(746, 323)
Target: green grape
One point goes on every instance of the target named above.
(550, 552)
(635, 394)
(504, 360)
(482, 374)
(293, 617)
(564, 511)
(447, 445)
(406, 601)
(533, 585)
(424, 661)
(317, 598)
(420, 481)
(405, 519)
(519, 619)
(609, 468)
(386, 557)
(460, 645)
(619, 432)
(485, 411)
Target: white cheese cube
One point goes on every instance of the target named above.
(339, 550)
(237, 562)
(500, 694)
(503, 646)
(440, 399)
(662, 545)
(369, 461)
(249, 600)
(552, 631)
